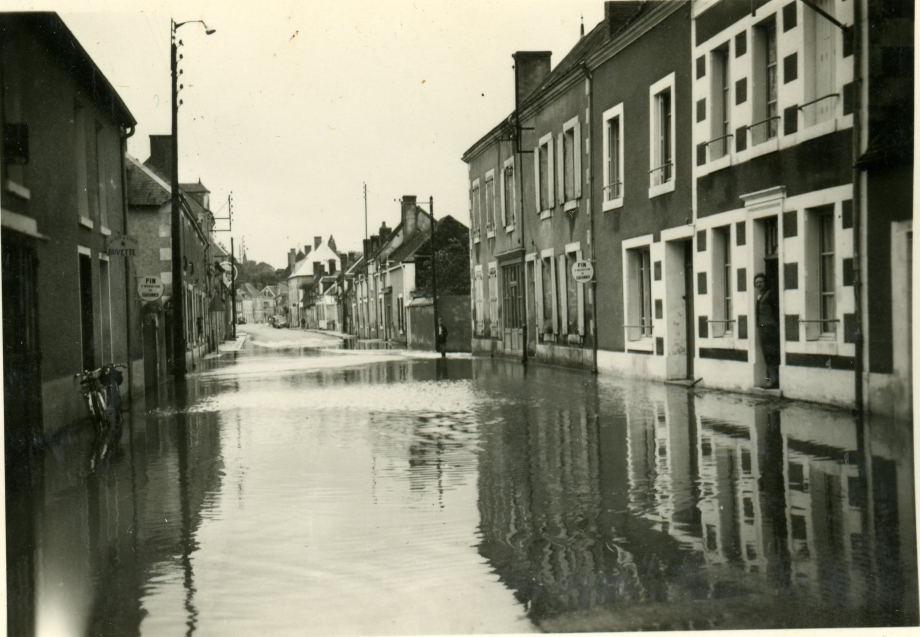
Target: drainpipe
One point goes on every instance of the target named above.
(519, 175)
(857, 209)
(590, 185)
(124, 221)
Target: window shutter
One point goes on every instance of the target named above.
(550, 174)
(577, 174)
(554, 296)
(538, 294)
(580, 301)
(502, 186)
(560, 169)
(563, 296)
(536, 177)
(633, 312)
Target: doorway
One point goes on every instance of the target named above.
(690, 341)
(766, 260)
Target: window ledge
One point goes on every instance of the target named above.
(661, 189)
(613, 204)
(105, 231)
(645, 344)
(769, 146)
(86, 222)
(17, 189)
(509, 227)
(490, 234)
(546, 214)
(815, 130)
(570, 205)
(718, 164)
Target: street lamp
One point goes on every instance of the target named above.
(178, 296)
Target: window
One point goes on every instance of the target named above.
(493, 299)
(513, 301)
(570, 164)
(722, 282)
(820, 88)
(720, 124)
(661, 171)
(638, 294)
(79, 116)
(101, 197)
(766, 111)
(613, 158)
(544, 170)
(490, 203)
(820, 289)
(508, 201)
(474, 210)
(575, 300)
(549, 295)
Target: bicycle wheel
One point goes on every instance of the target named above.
(100, 412)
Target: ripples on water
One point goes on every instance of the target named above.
(364, 493)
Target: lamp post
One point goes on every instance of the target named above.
(178, 294)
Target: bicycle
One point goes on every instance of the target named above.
(103, 400)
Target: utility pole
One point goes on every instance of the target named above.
(233, 286)
(367, 283)
(434, 275)
(178, 297)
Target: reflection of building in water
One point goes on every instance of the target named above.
(652, 495)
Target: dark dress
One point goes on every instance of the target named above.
(768, 328)
(442, 339)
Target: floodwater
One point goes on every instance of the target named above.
(302, 491)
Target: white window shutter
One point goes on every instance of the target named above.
(577, 174)
(554, 296)
(560, 169)
(538, 294)
(536, 177)
(580, 301)
(550, 177)
(501, 185)
(563, 296)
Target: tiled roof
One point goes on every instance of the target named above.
(194, 187)
(145, 188)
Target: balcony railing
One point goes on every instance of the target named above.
(819, 111)
(719, 147)
(614, 190)
(662, 174)
(759, 136)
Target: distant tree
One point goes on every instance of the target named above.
(259, 274)
(452, 259)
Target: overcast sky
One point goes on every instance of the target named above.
(293, 106)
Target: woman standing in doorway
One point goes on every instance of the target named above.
(768, 330)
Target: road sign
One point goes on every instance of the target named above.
(582, 271)
(121, 246)
(149, 288)
(230, 273)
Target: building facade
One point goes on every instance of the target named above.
(65, 299)
(683, 148)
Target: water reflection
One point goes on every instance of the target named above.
(674, 511)
(291, 491)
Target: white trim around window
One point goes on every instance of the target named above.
(613, 165)
(545, 142)
(662, 133)
(489, 212)
(571, 194)
(475, 207)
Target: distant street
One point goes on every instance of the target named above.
(268, 336)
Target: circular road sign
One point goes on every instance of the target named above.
(582, 271)
(150, 288)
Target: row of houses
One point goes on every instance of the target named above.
(261, 306)
(386, 292)
(681, 149)
(87, 248)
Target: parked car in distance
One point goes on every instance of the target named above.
(279, 321)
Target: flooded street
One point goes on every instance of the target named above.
(298, 490)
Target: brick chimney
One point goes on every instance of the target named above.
(318, 269)
(530, 69)
(160, 160)
(317, 242)
(619, 14)
(384, 232)
(408, 215)
(292, 260)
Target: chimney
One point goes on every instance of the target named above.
(292, 260)
(367, 248)
(375, 243)
(384, 231)
(317, 242)
(408, 215)
(318, 269)
(619, 14)
(331, 266)
(530, 69)
(160, 160)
